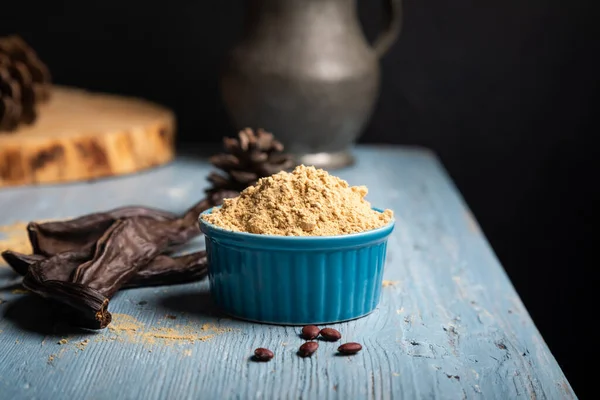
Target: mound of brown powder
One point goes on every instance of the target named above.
(305, 202)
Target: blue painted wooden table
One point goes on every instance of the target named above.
(449, 326)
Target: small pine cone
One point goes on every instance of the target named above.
(10, 114)
(247, 159)
(24, 82)
(18, 51)
(10, 97)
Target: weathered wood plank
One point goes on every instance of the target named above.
(450, 325)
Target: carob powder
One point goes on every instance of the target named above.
(305, 202)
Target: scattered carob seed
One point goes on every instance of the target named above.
(262, 354)
(350, 348)
(330, 334)
(308, 349)
(309, 332)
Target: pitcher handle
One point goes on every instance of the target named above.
(393, 25)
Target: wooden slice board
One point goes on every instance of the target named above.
(81, 135)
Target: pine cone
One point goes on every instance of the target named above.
(24, 82)
(250, 157)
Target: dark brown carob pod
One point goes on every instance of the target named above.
(110, 266)
(87, 252)
(82, 233)
(166, 270)
(19, 262)
(85, 306)
(88, 288)
(162, 270)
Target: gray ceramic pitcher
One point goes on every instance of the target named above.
(304, 71)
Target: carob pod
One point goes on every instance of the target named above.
(20, 262)
(127, 246)
(165, 270)
(50, 279)
(162, 270)
(82, 233)
(87, 307)
(59, 267)
(82, 262)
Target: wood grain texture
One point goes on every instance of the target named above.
(449, 326)
(81, 135)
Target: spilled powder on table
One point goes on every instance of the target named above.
(82, 345)
(79, 346)
(124, 322)
(53, 357)
(127, 328)
(175, 334)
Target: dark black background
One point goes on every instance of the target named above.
(506, 92)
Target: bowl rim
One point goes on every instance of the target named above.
(256, 236)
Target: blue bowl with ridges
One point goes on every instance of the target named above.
(291, 280)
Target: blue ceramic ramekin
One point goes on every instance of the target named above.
(291, 280)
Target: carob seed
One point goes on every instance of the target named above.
(308, 349)
(350, 348)
(262, 354)
(330, 334)
(310, 332)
